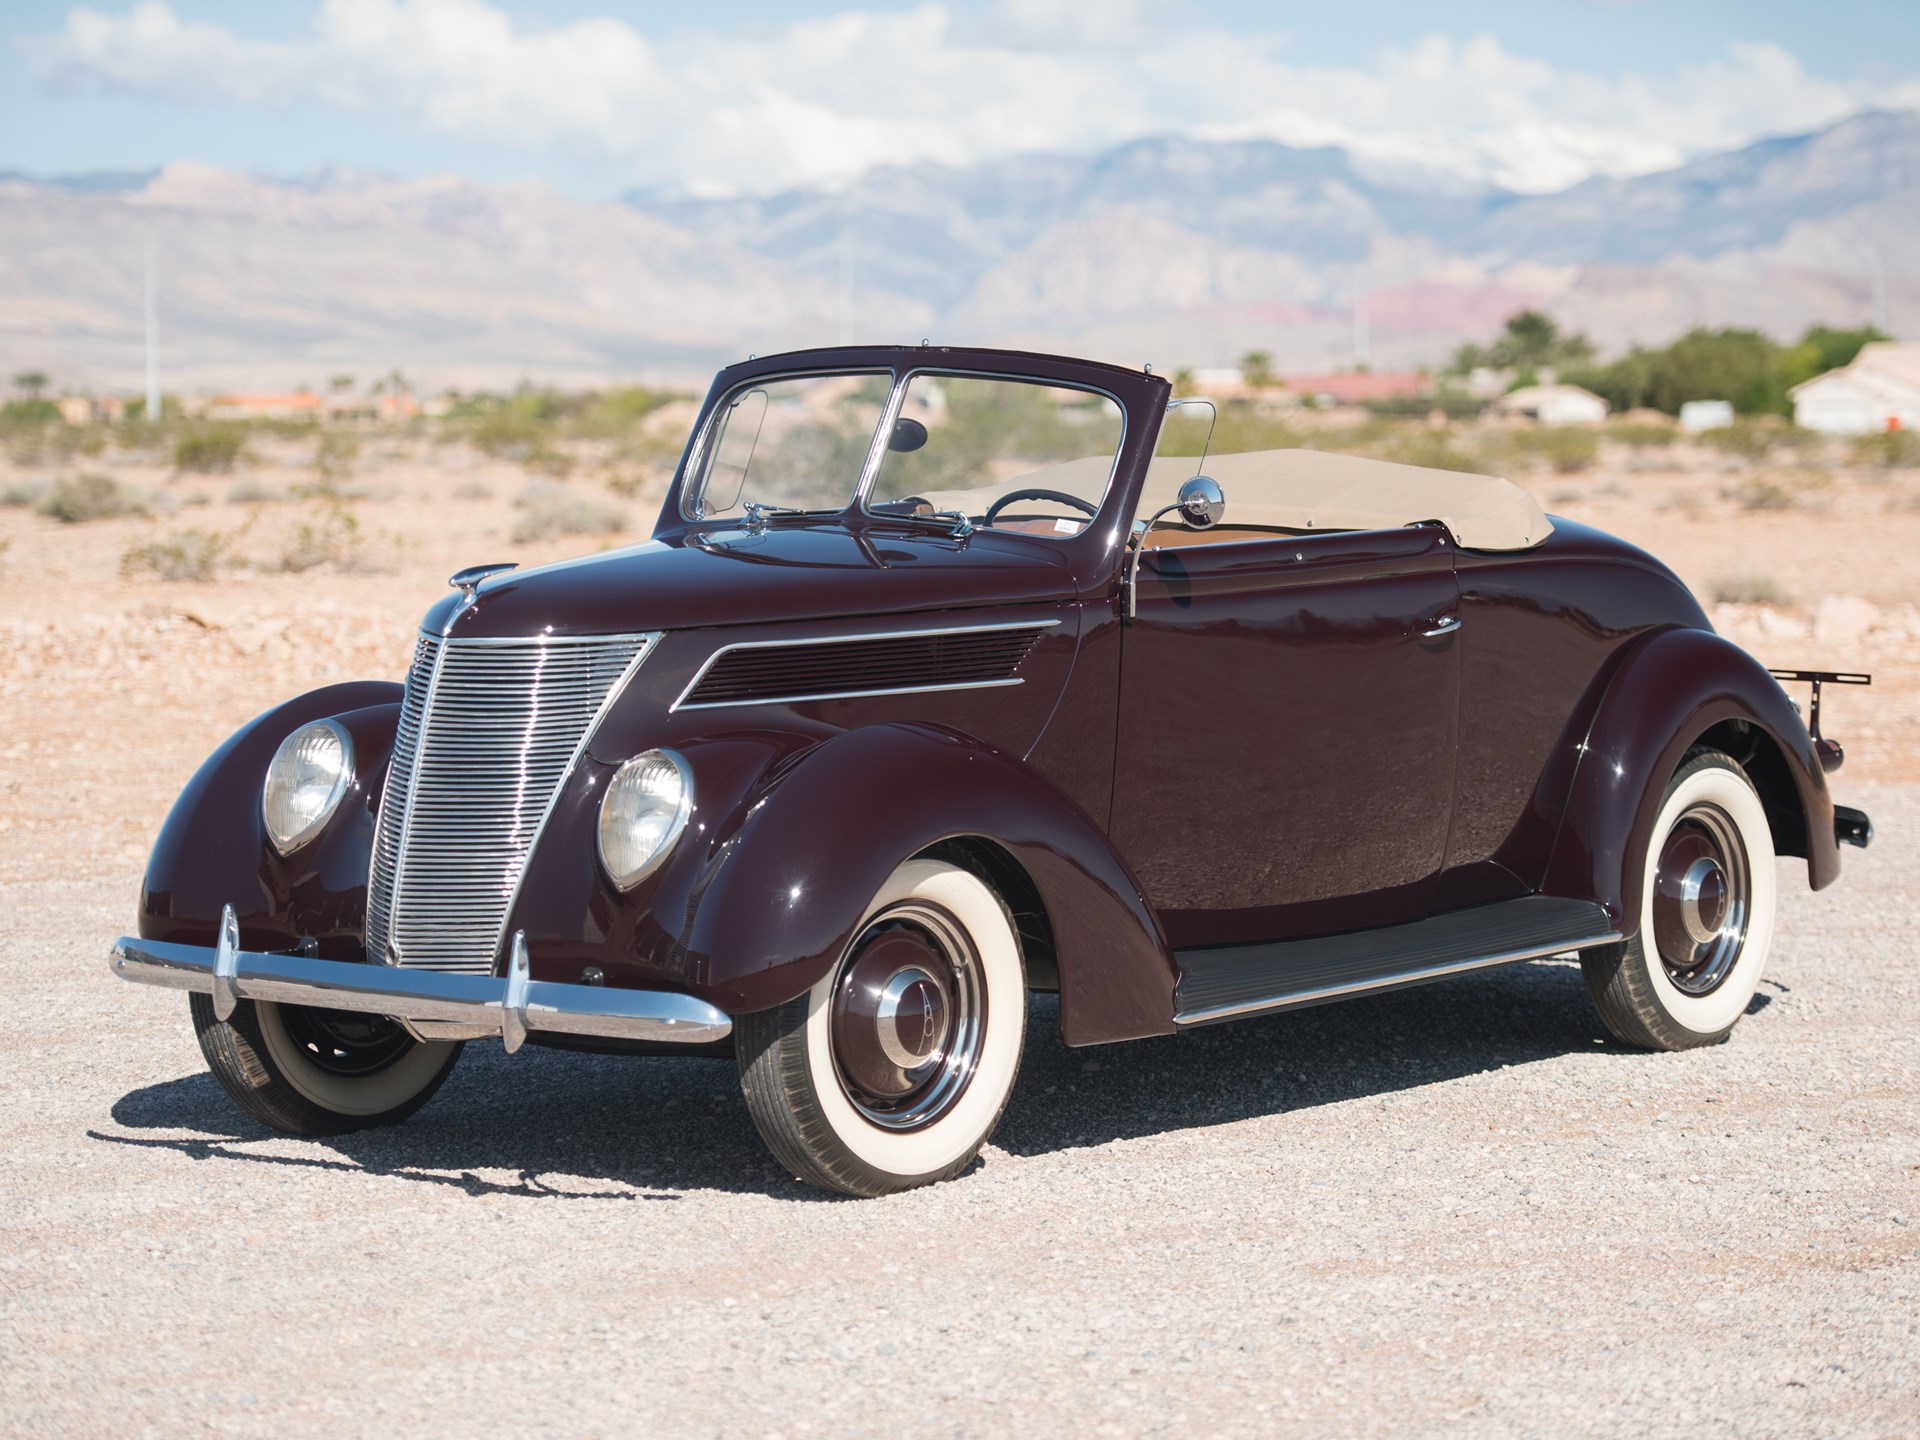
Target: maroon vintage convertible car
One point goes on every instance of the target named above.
(945, 678)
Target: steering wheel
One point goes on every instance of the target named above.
(1065, 499)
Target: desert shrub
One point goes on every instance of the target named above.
(209, 449)
(328, 534)
(334, 456)
(544, 460)
(1566, 494)
(251, 491)
(1640, 434)
(1748, 587)
(1887, 450)
(613, 414)
(647, 463)
(1763, 492)
(1566, 449)
(23, 493)
(1754, 437)
(78, 498)
(472, 490)
(549, 509)
(183, 555)
(1432, 449)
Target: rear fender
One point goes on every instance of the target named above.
(784, 896)
(1675, 690)
(213, 849)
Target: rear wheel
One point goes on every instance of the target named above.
(892, 1071)
(1706, 915)
(319, 1072)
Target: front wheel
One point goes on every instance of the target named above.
(1706, 916)
(304, 1071)
(892, 1071)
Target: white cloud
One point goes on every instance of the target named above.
(819, 101)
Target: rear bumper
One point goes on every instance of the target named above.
(1852, 827)
(433, 1004)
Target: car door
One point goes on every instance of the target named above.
(1285, 747)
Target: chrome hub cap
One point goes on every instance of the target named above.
(1700, 899)
(909, 1016)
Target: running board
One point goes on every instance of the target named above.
(1229, 981)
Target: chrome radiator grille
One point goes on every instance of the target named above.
(488, 730)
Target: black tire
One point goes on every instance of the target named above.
(893, 1070)
(1686, 975)
(319, 1072)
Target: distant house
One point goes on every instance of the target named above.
(76, 409)
(298, 405)
(1698, 415)
(1359, 387)
(1553, 405)
(1880, 390)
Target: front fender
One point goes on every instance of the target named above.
(1671, 690)
(777, 910)
(213, 851)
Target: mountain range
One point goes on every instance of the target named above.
(1175, 251)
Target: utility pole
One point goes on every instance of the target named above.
(153, 336)
(1362, 321)
(845, 298)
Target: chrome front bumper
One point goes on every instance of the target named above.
(433, 1004)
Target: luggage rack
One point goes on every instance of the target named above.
(1817, 678)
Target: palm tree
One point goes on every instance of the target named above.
(31, 382)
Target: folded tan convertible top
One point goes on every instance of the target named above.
(1309, 490)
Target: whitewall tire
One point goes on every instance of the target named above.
(1706, 915)
(894, 1068)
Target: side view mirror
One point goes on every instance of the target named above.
(1202, 502)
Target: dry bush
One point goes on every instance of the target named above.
(472, 490)
(74, 499)
(1748, 587)
(23, 493)
(334, 456)
(1641, 434)
(1432, 449)
(549, 509)
(251, 491)
(183, 555)
(1762, 492)
(1566, 495)
(1754, 437)
(210, 449)
(328, 534)
(1888, 450)
(1569, 449)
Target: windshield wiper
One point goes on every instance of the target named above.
(954, 522)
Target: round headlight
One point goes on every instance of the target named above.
(642, 814)
(310, 772)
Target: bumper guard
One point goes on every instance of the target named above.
(432, 1003)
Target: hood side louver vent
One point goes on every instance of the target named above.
(787, 673)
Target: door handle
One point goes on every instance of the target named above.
(1445, 625)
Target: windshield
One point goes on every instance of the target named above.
(1011, 453)
(1016, 454)
(798, 443)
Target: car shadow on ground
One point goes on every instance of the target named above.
(552, 1125)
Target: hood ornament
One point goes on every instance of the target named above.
(468, 580)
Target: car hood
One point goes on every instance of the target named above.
(740, 576)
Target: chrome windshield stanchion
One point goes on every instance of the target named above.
(226, 966)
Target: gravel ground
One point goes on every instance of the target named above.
(1457, 1208)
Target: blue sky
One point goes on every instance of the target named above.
(594, 96)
